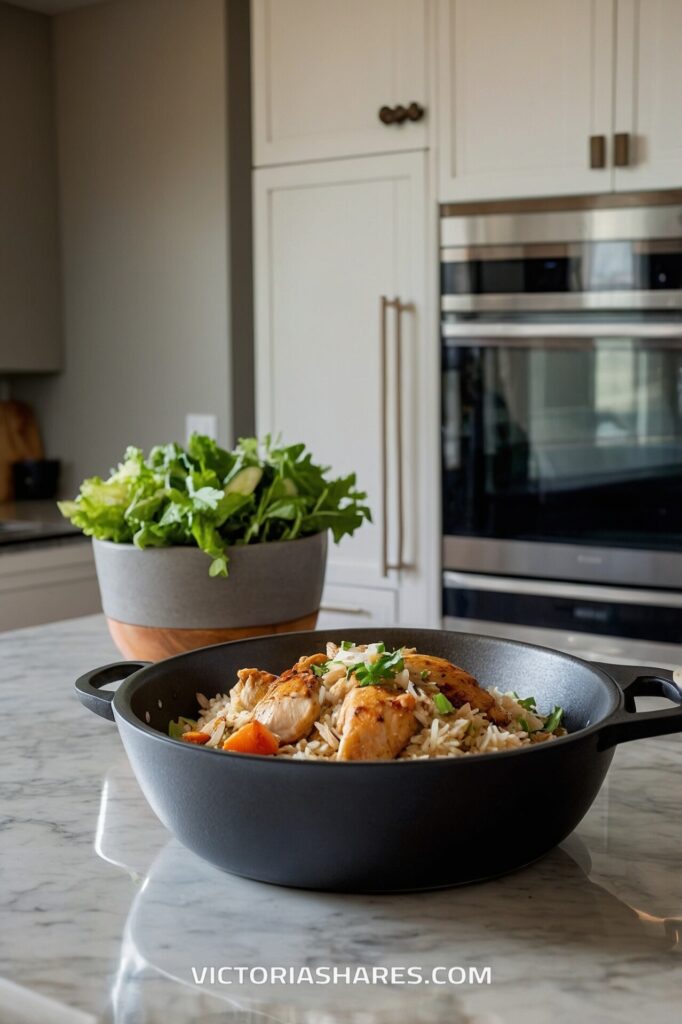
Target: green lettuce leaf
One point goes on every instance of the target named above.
(212, 498)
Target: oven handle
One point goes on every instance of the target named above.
(546, 588)
(463, 330)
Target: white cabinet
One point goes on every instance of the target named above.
(331, 239)
(46, 583)
(322, 70)
(648, 100)
(522, 87)
(356, 607)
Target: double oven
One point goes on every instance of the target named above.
(561, 334)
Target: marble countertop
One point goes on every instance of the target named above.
(104, 914)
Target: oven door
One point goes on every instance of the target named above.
(562, 449)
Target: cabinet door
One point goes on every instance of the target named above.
(522, 88)
(331, 239)
(323, 69)
(648, 103)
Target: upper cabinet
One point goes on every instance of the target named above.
(550, 97)
(524, 97)
(30, 332)
(648, 101)
(337, 79)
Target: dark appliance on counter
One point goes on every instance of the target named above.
(562, 416)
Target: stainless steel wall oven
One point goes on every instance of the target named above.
(562, 414)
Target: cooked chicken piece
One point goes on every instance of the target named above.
(291, 706)
(252, 687)
(459, 686)
(375, 723)
(312, 659)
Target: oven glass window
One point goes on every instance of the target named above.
(570, 445)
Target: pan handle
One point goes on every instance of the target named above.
(630, 724)
(88, 685)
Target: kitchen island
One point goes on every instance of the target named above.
(106, 918)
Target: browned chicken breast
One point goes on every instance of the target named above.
(291, 705)
(459, 686)
(376, 723)
(252, 687)
(303, 664)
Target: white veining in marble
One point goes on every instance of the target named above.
(105, 913)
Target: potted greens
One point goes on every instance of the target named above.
(200, 545)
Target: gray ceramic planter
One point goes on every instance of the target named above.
(161, 600)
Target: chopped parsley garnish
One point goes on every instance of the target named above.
(383, 670)
(347, 645)
(443, 705)
(554, 719)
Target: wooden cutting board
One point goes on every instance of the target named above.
(19, 439)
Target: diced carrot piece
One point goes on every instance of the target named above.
(196, 737)
(252, 738)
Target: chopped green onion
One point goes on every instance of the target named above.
(380, 648)
(176, 730)
(529, 704)
(375, 673)
(524, 725)
(424, 674)
(443, 705)
(347, 645)
(321, 670)
(553, 720)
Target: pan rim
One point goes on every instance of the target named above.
(122, 704)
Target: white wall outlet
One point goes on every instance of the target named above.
(201, 423)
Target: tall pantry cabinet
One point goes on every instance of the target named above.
(346, 343)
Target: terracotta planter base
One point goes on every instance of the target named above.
(153, 643)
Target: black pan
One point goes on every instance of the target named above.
(378, 826)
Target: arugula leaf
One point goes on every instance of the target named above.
(443, 705)
(213, 498)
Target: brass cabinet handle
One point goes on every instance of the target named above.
(400, 114)
(400, 308)
(621, 149)
(597, 151)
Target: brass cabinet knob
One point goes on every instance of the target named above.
(400, 114)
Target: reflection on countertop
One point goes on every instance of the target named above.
(108, 914)
(28, 523)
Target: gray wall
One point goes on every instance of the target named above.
(141, 108)
(30, 315)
